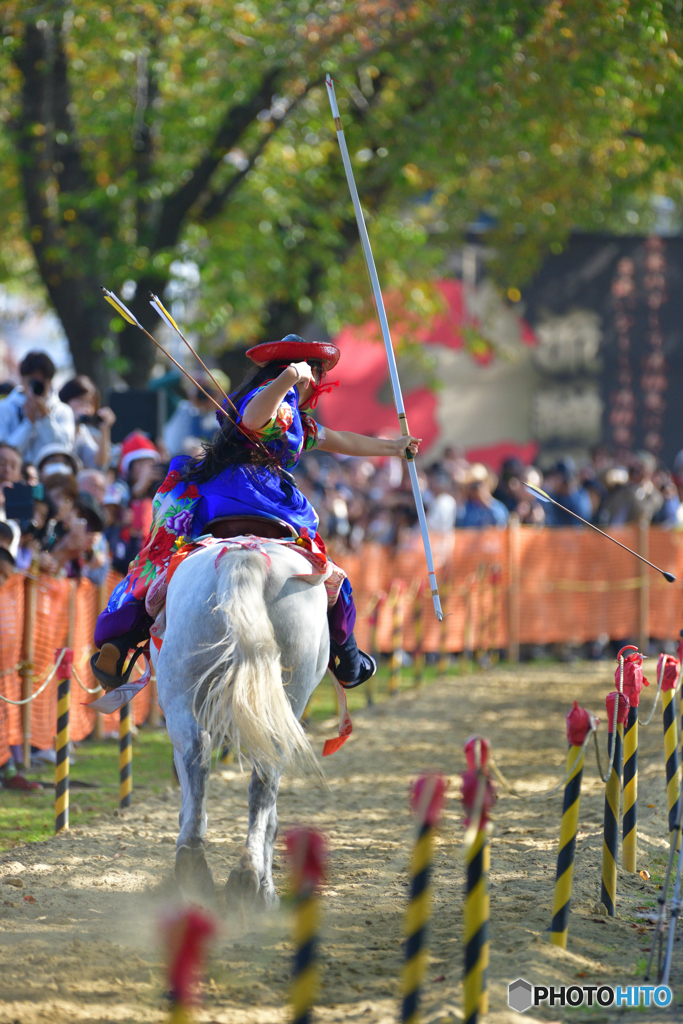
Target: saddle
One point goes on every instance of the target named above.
(224, 527)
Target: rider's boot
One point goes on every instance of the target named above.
(350, 665)
(108, 663)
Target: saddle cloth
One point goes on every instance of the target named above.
(326, 572)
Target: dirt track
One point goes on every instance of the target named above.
(86, 950)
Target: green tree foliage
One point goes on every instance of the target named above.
(140, 136)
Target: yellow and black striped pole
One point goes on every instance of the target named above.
(396, 601)
(306, 855)
(579, 724)
(478, 797)
(427, 801)
(610, 843)
(630, 798)
(629, 679)
(185, 935)
(476, 923)
(125, 758)
(62, 741)
(673, 781)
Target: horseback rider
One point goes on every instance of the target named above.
(243, 472)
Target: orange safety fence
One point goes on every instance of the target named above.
(11, 642)
(141, 704)
(523, 585)
(49, 634)
(64, 614)
(499, 589)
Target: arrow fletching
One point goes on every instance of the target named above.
(538, 492)
(155, 303)
(115, 301)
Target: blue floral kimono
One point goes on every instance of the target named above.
(182, 510)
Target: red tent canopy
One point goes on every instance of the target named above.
(363, 374)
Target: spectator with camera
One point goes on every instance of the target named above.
(32, 416)
(93, 422)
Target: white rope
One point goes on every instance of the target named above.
(551, 792)
(604, 778)
(82, 685)
(27, 700)
(15, 668)
(476, 814)
(660, 676)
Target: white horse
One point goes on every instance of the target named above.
(245, 645)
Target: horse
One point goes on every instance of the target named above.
(245, 645)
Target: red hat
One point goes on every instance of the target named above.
(293, 349)
(136, 446)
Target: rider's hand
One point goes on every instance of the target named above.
(403, 444)
(304, 371)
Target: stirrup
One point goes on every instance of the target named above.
(105, 679)
(367, 671)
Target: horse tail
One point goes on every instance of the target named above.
(245, 703)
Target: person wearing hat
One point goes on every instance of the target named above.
(139, 468)
(244, 471)
(481, 509)
(57, 458)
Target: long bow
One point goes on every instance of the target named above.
(391, 358)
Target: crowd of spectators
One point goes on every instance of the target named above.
(361, 500)
(71, 502)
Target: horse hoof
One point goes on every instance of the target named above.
(192, 873)
(241, 888)
(266, 900)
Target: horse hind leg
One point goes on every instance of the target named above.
(252, 882)
(270, 898)
(193, 763)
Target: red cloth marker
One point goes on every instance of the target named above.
(65, 665)
(579, 723)
(186, 936)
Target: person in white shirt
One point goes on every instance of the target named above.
(32, 415)
(442, 508)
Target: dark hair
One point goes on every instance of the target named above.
(79, 387)
(6, 388)
(64, 483)
(37, 362)
(230, 448)
(6, 444)
(6, 531)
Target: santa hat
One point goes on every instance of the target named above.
(136, 446)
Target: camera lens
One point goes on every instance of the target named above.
(38, 387)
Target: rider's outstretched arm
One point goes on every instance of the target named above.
(345, 442)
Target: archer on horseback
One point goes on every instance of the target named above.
(244, 473)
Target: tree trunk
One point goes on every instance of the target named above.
(69, 277)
